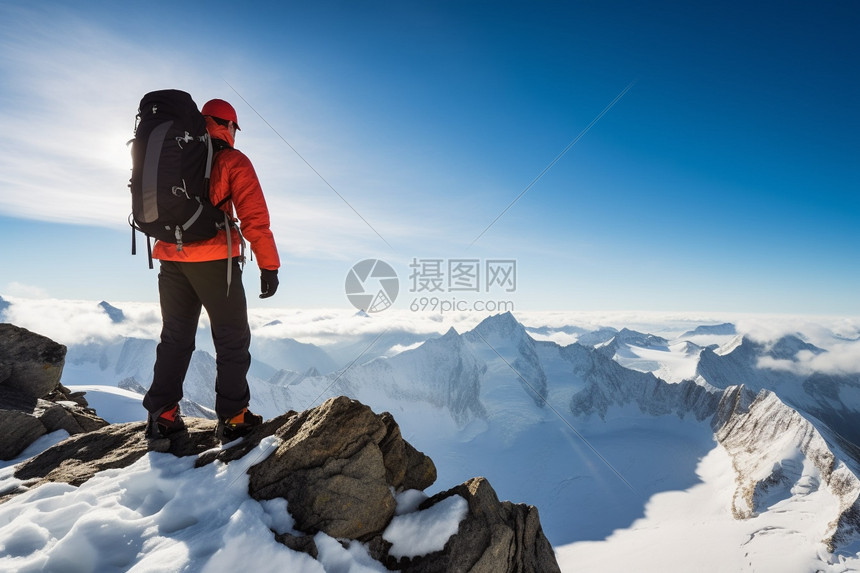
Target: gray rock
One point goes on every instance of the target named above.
(17, 431)
(32, 363)
(493, 537)
(80, 457)
(73, 419)
(303, 543)
(5, 373)
(337, 466)
(24, 418)
(405, 467)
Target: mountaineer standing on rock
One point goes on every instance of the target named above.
(194, 277)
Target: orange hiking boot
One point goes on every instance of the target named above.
(237, 426)
(164, 422)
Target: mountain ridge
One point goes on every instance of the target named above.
(471, 399)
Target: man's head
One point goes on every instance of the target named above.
(220, 110)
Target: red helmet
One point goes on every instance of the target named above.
(220, 109)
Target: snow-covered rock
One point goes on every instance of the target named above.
(328, 473)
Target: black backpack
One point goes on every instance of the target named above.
(172, 157)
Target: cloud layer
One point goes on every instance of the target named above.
(80, 321)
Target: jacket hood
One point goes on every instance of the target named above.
(218, 131)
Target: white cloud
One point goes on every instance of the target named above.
(70, 98)
(25, 290)
(817, 330)
(77, 321)
(70, 91)
(840, 358)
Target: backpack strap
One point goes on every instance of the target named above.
(134, 240)
(209, 154)
(220, 145)
(229, 226)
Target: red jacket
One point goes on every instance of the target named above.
(233, 175)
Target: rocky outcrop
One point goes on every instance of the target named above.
(32, 400)
(494, 536)
(80, 457)
(30, 364)
(339, 466)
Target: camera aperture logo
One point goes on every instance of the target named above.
(372, 285)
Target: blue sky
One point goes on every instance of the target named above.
(727, 178)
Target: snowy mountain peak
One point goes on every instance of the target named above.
(597, 337)
(450, 341)
(784, 348)
(503, 326)
(787, 348)
(451, 333)
(731, 345)
(724, 329)
(640, 339)
(116, 315)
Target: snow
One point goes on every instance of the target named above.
(409, 500)
(161, 514)
(423, 532)
(115, 405)
(695, 526)
(674, 363)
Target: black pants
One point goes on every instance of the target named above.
(183, 289)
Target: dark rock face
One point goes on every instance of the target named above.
(32, 400)
(494, 536)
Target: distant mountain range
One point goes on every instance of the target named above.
(590, 431)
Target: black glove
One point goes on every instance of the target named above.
(268, 282)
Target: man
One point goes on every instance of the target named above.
(196, 277)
